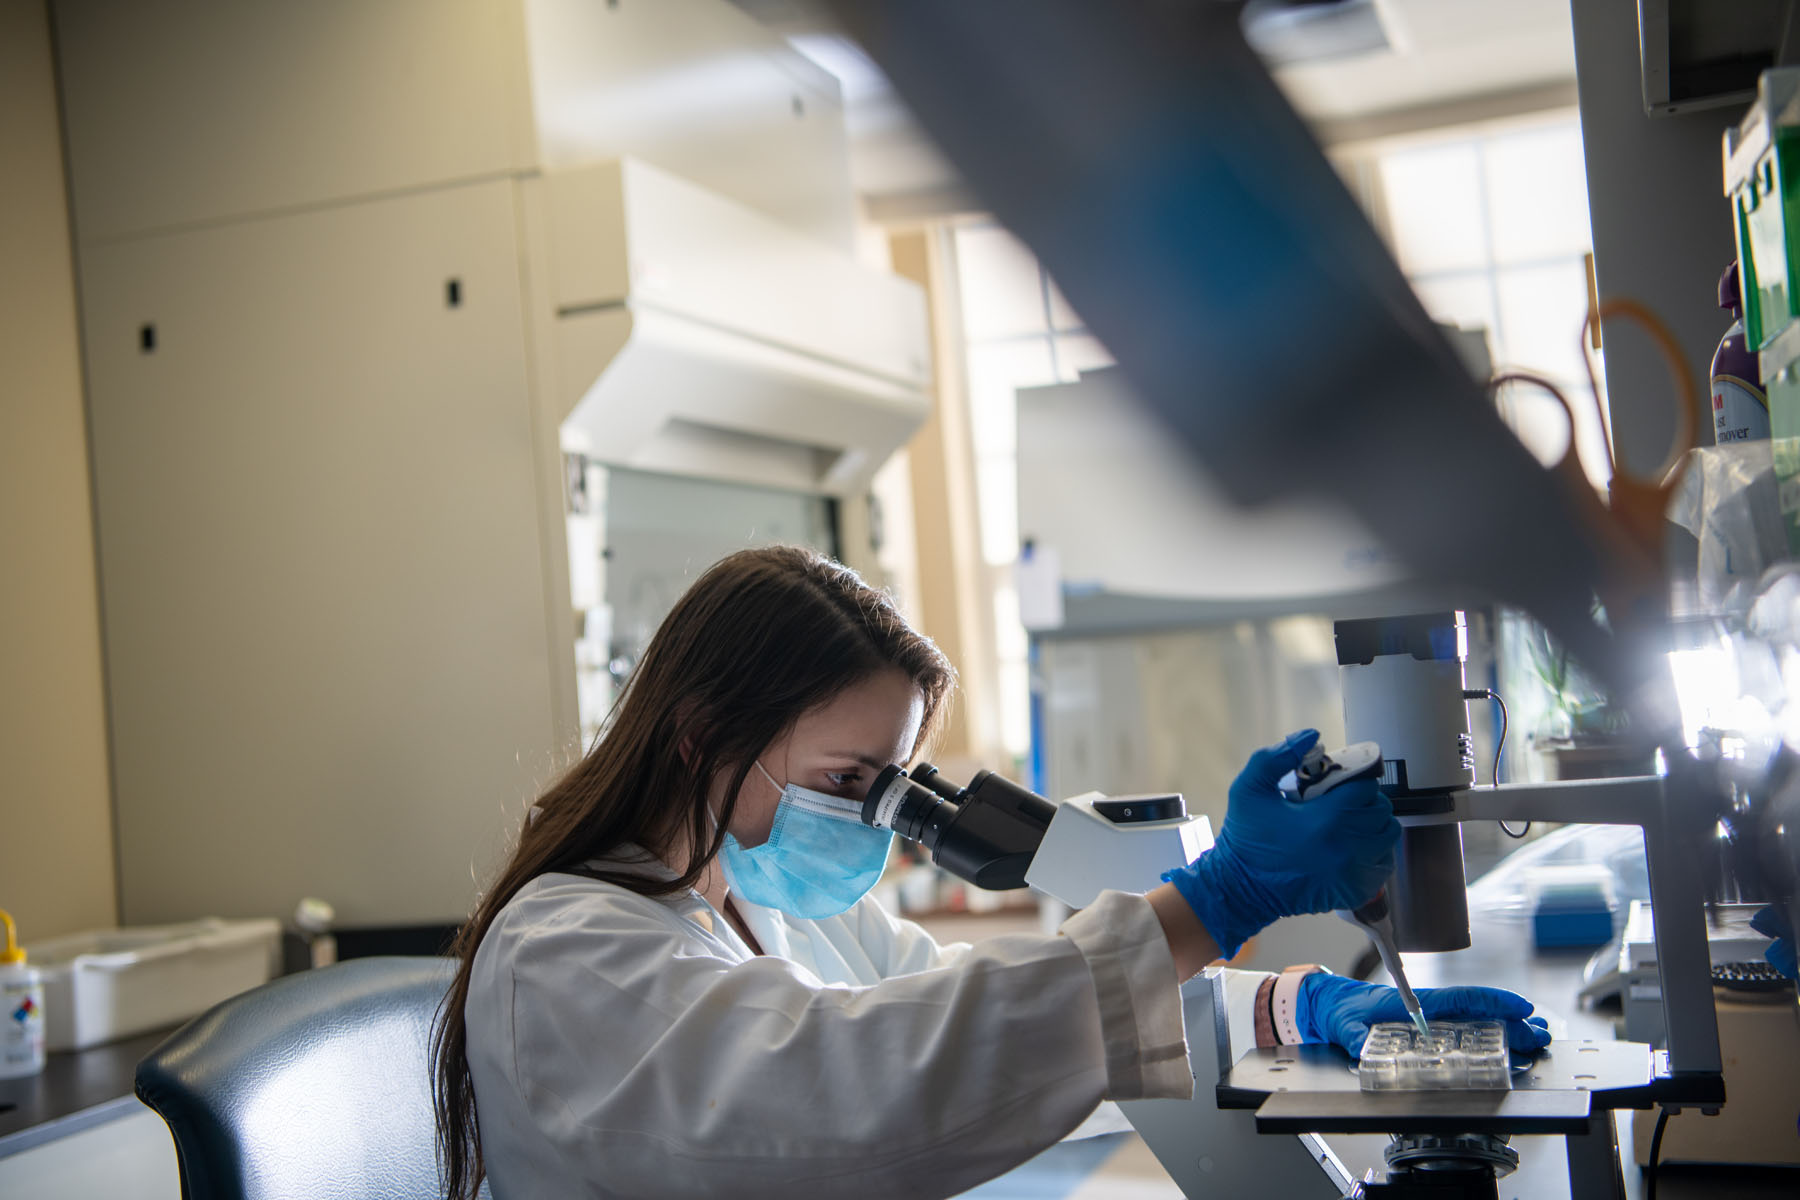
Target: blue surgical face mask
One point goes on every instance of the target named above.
(818, 861)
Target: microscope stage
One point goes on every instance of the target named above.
(1315, 1089)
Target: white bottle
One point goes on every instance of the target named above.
(21, 1009)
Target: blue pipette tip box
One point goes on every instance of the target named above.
(1571, 905)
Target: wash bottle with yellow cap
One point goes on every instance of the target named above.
(21, 1009)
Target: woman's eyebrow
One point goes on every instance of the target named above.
(864, 759)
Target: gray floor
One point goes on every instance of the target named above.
(1056, 1174)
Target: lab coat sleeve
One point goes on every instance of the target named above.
(1240, 1008)
(906, 947)
(1140, 1013)
(901, 947)
(660, 1070)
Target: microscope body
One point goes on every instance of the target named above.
(1000, 836)
(1119, 843)
(1404, 690)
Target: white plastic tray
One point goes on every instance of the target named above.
(108, 984)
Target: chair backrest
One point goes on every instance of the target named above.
(317, 1085)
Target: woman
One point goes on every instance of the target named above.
(679, 986)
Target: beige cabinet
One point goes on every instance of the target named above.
(324, 604)
(186, 111)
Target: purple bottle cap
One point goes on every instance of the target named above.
(1728, 288)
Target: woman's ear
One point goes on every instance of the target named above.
(687, 740)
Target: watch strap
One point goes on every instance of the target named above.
(1265, 1012)
(1284, 1002)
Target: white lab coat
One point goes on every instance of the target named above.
(624, 1045)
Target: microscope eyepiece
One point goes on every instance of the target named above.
(911, 806)
(985, 833)
(932, 778)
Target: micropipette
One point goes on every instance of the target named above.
(1317, 774)
(1374, 919)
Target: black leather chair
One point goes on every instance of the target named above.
(316, 1085)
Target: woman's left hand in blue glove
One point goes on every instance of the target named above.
(1331, 1008)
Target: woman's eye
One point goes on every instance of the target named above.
(842, 780)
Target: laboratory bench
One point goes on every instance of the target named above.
(77, 1130)
(76, 1090)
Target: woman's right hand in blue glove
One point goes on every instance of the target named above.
(1770, 923)
(1275, 857)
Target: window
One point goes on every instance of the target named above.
(1490, 225)
(1018, 332)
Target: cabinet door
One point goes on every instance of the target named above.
(321, 575)
(127, 1158)
(186, 111)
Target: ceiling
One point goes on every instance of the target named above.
(1441, 50)
(1436, 53)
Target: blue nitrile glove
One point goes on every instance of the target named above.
(1771, 923)
(1275, 857)
(1331, 1008)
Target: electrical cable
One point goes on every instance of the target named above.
(1662, 1121)
(1505, 720)
(1499, 745)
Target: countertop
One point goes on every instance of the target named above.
(76, 1090)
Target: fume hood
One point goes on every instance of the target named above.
(696, 336)
(716, 377)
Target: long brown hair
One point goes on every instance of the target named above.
(761, 638)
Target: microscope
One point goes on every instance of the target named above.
(1404, 688)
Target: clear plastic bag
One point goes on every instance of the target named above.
(1728, 500)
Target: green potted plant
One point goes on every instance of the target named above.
(1582, 732)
